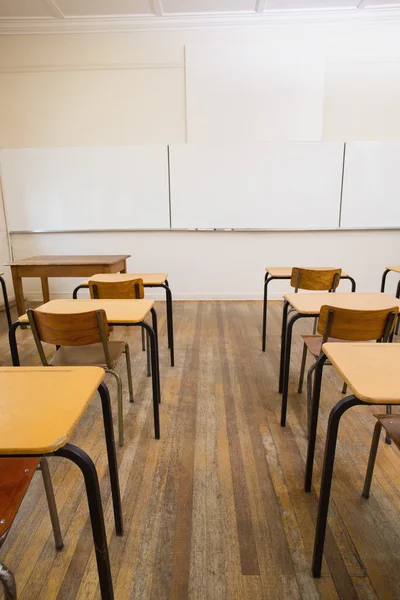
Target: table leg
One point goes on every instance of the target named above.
(285, 383)
(265, 309)
(45, 289)
(312, 431)
(155, 329)
(124, 269)
(324, 496)
(283, 343)
(18, 291)
(383, 283)
(6, 302)
(112, 457)
(154, 378)
(170, 323)
(85, 463)
(13, 343)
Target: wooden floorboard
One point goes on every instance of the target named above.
(215, 510)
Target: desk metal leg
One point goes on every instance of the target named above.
(312, 435)
(85, 463)
(13, 343)
(285, 383)
(6, 302)
(154, 377)
(324, 496)
(112, 457)
(170, 322)
(283, 343)
(76, 290)
(353, 283)
(267, 279)
(383, 283)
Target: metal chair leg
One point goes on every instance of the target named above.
(148, 355)
(302, 369)
(309, 396)
(129, 371)
(388, 412)
(344, 388)
(315, 326)
(6, 302)
(51, 501)
(143, 341)
(371, 460)
(8, 581)
(120, 406)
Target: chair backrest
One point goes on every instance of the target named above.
(73, 329)
(315, 279)
(132, 289)
(357, 325)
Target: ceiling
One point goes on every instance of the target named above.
(144, 13)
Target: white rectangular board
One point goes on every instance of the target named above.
(371, 186)
(247, 93)
(86, 188)
(288, 185)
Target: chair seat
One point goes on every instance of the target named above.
(392, 425)
(84, 356)
(15, 477)
(314, 343)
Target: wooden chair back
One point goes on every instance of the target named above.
(131, 289)
(357, 325)
(315, 279)
(73, 329)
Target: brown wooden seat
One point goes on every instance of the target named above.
(342, 325)
(82, 339)
(391, 424)
(315, 279)
(15, 476)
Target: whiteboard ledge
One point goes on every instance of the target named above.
(203, 230)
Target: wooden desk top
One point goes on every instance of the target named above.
(370, 370)
(41, 406)
(68, 260)
(286, 272)
(395, 269)
(148, 278)
(117, 311)
(310, 303)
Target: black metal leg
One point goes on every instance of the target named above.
(155, 329)
(286, 370)
(398, 290)
(112, 457)
(265, 310)
(353, 283)
(154, 377)
(329, 459)
(312, 431)
(6, 303)
(170, 323)
(85, 463)
(76, 290)
(13, 343)
(385, 273)
(388, 412)
(283, 343)
(372, 459)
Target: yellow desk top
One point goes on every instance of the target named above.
(117, 311)
(286, 272)
(396, 269)
(148, 278)
(41, 406)
(310, 303)
(370, 370)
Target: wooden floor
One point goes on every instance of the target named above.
(215, 510)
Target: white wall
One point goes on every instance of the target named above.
(129, 88)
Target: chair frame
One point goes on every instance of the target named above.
(100, 315)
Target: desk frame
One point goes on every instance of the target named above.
(168, 299)
(267, 279)
(6, 302)
(88, 469)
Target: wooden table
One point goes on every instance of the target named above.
(309, 305)
(40, 408)
(61, 266)
(6, 303)
(150, 280)
(286, 273)
(119, 313)
(371, 372)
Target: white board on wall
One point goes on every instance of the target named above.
(371, 185)
(246, 93)
(291, 185)
(86, 188)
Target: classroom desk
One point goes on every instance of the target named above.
(40, 408)
(371, 372)
(150, 280)
(6, 303)
(61, 266)
(309, 305)
(285, 273)
(123, 313)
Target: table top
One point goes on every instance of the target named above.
(69, 260)
(370, 370)
(117, 311)
(310, 303)
(396, 269)
(148, 278)
(286, 272)
(41, 406)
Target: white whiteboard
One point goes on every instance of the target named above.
(292, 185)
(85, 188)
(371, 186)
